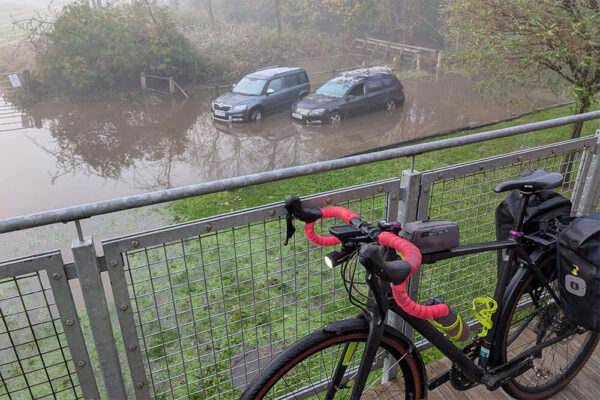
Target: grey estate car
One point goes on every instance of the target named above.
(264, 91)
(349, 94)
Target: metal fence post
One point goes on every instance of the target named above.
(410, 186)
(590, 192)
(84, 255)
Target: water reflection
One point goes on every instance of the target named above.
(152, 143)
(105, 139)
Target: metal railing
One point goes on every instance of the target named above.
(197, 309)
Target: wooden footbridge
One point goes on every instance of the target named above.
(404, 55)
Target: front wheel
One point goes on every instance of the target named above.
(256, 115)
(335, 118)
(532, 317)
(324, 364)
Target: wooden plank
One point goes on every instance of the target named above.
(408, 46)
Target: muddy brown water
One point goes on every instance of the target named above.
(54, 156)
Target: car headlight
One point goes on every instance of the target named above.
(241, 107)
(318, 111)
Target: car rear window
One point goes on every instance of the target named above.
(302, 78)
(374, 85)
(290, 80)
(388, 81)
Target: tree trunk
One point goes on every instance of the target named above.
(210, 14)
(582, 104)
(277, 7)
(387, 19)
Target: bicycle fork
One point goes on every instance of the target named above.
(376, 328)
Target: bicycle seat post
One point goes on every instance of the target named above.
(524, 201)
(504, 277)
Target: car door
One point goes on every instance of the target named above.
(355, 101)
(375, 93)
(275, 97)
(292, 88)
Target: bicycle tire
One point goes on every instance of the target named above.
(557, 364)
(285, 375)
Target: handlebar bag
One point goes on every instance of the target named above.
(578, 266)
(432, 236)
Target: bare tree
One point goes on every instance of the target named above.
(210, 13)
(277, 9)
(409, 15)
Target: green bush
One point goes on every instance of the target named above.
(95, 51)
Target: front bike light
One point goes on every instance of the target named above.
(338, 257)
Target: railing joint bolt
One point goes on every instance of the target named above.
(81, 363)
(56, 275)
(135, 243)
(208, 227)
(123, 307)
(140, 384)
(69, 322)
(113, 263)
(271, 213)
(133, 347)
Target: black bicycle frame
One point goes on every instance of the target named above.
(477, 373)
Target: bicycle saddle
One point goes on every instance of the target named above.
(532, 181)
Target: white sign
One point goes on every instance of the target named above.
(14, 80)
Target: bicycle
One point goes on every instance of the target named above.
(527, 345)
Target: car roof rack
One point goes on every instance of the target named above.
(362, 73)
(272, 66)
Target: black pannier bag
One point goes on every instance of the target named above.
(543, 206)
(578, 266)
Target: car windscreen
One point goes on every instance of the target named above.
(334, 89)
(250, 86)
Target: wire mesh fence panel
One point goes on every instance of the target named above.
(465, 194)
(36, 354)
(213, 308)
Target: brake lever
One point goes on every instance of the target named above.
(290, 229)
(294, 209)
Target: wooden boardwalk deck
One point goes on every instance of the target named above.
(586, 385)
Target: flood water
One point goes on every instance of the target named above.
(66, 155)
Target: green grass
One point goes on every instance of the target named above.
(227, 201)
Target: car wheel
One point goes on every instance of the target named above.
(256, 115)
(335, 118)
(390, 105)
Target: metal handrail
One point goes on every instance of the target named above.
(167, 195)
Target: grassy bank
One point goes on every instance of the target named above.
(222, 202)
